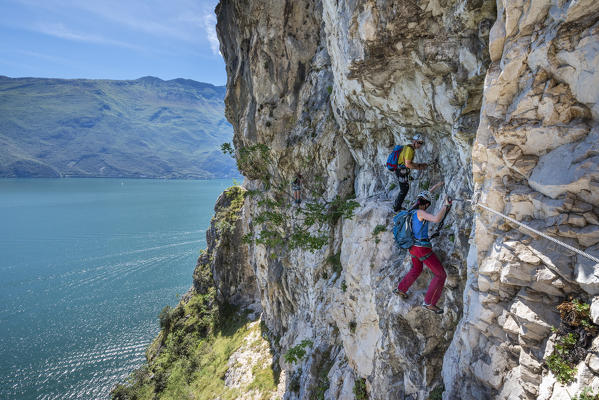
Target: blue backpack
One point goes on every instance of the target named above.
(394, 158)
(402, 229)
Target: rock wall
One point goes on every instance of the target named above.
(535, 158)
(224, 263)
(338, 83)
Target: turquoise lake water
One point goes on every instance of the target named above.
(86, 265)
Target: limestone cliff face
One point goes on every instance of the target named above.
(535, 158)
(506, 97)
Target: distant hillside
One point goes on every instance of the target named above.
(101, 128)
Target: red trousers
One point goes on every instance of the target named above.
(432, 262)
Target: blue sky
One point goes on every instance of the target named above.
(110, 39)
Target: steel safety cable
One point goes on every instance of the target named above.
(567, 246)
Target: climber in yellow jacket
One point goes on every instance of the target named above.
(405, 163)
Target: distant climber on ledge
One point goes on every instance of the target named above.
(422, 252)
(296, 187)
(401, 162)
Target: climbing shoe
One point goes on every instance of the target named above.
(401, 294)
(432, 308)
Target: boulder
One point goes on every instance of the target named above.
(568, 168)
(535, 320)
(587, 271)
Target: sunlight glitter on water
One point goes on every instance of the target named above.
(87, 266)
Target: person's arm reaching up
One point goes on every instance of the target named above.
(436, 186)
(423, 215)
(413, 165)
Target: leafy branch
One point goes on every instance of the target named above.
(298, 352)
(278, 224)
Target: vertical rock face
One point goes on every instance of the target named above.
(224, 259)
(338, 83)
(535, 158)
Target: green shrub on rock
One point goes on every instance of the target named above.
(587, 394)
(573, 338)
(281, 223)
(360, 389)
(296, 353)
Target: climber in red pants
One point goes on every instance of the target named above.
(422, 252)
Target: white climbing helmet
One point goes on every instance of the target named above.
(419, 137)
(426, 195)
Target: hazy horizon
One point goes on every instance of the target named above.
(109, 79)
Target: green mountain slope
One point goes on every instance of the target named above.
(101, 128)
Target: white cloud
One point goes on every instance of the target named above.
(148, 25)
(176, 19)
(210, 29)
(60, 31)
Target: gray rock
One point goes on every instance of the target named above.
(587, 271)
(592, 362)
(569, 168)
(510, 112)
(595, 310)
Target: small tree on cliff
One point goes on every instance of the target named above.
(277, 224)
